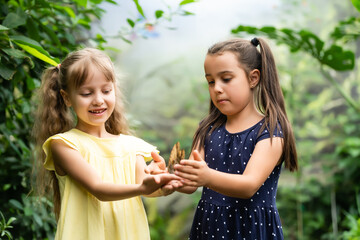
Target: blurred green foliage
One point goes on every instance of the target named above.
(320, 81)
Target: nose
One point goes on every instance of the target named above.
(98, 99)
(218, 87)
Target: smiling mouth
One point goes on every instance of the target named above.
(98, 111)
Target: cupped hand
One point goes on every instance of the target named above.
(151, 183)
(157, 166)
(171, 187)
(195, 173)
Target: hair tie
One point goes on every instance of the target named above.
(255, 41)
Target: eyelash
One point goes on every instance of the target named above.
(88, 94)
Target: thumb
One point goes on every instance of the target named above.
(197, 155)
(156, 157)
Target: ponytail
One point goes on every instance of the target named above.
(270, 101)
(52, 117)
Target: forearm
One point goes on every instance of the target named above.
(111, 192)
(157, 193)
(232, 185)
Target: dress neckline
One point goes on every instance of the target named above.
(246, 130)
(95, 137)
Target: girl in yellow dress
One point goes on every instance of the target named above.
(95, 169)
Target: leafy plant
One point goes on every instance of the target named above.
(5, 226)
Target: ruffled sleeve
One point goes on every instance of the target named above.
(143, 148)
(49, 162)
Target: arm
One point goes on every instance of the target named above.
(70, 162)
(265, 157)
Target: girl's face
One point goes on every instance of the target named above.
(229, 87)
(93, 102)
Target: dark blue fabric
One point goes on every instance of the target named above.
(220, 217)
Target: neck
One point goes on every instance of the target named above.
(97, 131)
(243, 121)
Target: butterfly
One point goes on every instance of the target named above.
(176, 155)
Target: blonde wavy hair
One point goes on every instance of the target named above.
(54, 117)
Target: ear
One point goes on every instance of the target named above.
(254, 78)
(65, 97)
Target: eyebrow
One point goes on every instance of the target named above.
(220, 73)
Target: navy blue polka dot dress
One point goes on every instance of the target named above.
(220, 217)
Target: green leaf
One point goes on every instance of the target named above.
(3, 28)
(16, 204)
(13, 20)
(356, 4)
(158, 14)
(36, 53)
(139, 8)
(34, 48)
(6, 73)
(82, 3)
(96, 1)
(338, 59)
(187, 13)
(186, 2)
(68, 10)
(131, 22)
(30, 83)
(16, 53)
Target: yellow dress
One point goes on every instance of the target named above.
(82, 216)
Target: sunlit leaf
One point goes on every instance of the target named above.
(356, 4)
(186, 2)
(82, 3)
(139, 8)
(3, 28)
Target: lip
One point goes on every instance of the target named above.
(221, 101)
(97, 111)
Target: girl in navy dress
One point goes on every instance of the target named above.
(239, 148)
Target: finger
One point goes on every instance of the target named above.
(185, 169)
(197, 156)
(192, 163)
(186, 176)
(157, 179)
(165, 177)
(159, 160)
(187, 182)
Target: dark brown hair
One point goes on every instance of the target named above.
(54, 117)
(268, 96)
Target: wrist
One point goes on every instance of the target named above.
(209, 178)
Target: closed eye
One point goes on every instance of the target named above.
(226, 79)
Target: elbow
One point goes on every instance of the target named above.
(250, 191)
(97, 192)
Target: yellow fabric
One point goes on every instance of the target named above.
(83, 216)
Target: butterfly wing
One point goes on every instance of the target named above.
(176, 155)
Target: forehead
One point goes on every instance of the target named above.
(225, 58)
(96, 78)
(221, 62)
